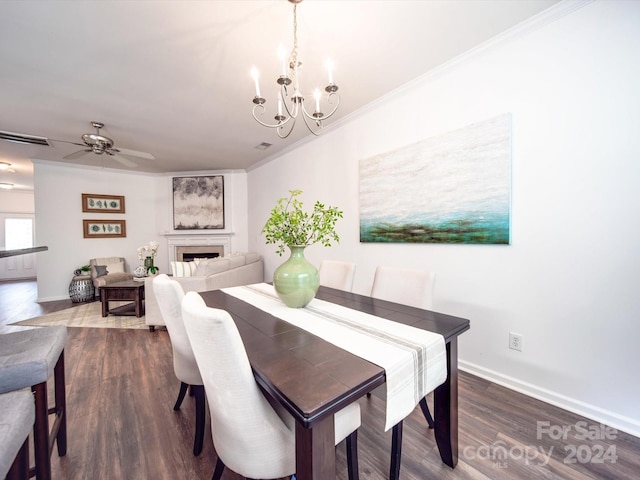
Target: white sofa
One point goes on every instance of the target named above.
(213, 274)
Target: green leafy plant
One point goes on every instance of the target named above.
(82, 270)
(290, 225)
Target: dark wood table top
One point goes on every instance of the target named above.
(311, 377)
(124, 284)
(21, 251)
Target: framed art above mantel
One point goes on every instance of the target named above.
(198, 203)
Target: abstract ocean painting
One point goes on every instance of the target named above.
(452, 188)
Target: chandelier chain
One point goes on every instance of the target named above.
(293, 56)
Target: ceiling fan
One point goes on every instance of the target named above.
(99, 144)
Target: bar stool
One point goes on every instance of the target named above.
(28, 358)
(16, 421)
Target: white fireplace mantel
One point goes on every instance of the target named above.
(187, 239)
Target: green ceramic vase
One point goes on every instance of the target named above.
(296, 281)
(148, 264)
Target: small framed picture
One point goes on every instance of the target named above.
(94, 203)
(104, 228)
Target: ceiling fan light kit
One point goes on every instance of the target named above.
(99, 145)
(97, 142)
(288, 111)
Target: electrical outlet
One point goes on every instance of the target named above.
(515, 341)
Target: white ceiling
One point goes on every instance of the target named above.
(172, 77)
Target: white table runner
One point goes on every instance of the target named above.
(414, 360)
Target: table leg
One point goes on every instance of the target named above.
(138, 302)
(105, 302)
(315, 451)
(446, 409)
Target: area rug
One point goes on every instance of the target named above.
(86, 315)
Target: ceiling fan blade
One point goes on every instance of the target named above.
(124, 161)
(78, 154)
(67, 141)
(134, 153)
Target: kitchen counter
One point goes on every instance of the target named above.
(21, 251)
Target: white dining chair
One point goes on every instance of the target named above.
(404, 285)
(169, 295)
(408, 287)
(337, 274)
(251, 436)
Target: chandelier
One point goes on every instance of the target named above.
(291, 105)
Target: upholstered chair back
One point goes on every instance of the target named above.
(169, 295)
(404, 285)
(337, 274)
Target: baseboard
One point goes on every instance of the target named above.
(606, 417)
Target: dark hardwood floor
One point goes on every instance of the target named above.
(121, 390)
(18, 302)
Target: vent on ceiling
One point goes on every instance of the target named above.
(263, 146)
(24, 138)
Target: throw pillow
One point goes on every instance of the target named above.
(183, 269)
(101, 270)
(116, 267)
(201, 269)
(214, 266)
(235, 261)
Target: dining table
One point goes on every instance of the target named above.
(313, 379)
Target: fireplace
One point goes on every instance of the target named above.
(197, 245)
(187, 253)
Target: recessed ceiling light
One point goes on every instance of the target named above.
(6, 186)
(4, 165)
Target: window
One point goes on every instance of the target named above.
(18, 233)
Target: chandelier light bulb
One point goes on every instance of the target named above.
(283, 60)
(279, 104)
(256, 75)
(329, 65)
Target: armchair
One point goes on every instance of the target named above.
(105, 271)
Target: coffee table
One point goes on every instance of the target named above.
(119, 291)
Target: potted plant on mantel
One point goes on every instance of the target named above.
(296, 281)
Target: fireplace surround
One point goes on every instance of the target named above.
(198, 245)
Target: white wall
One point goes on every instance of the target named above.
(568, 282)
(149, 207)
(16, 201)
